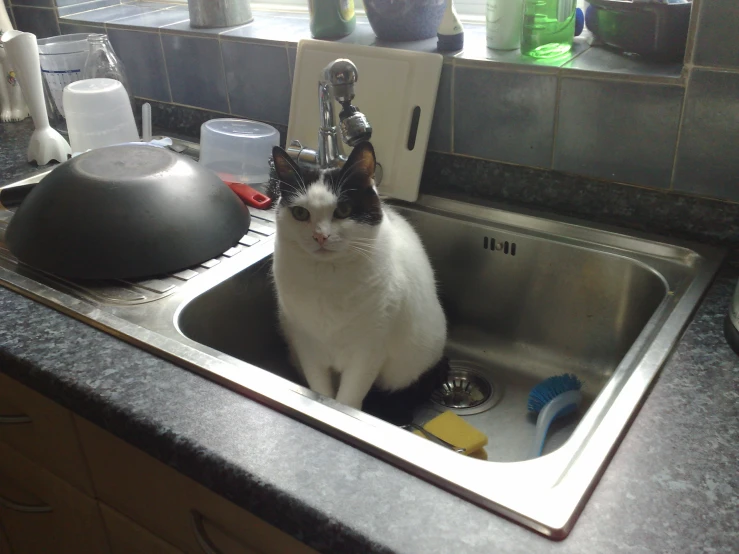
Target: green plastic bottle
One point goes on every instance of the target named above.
(548, 27)
(331, 19)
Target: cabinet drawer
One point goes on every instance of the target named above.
(173, 506)
(40, 513)
(42, 431)
(126, 537)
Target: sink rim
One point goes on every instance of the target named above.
(549, 503)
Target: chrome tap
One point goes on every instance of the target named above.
(336, 82)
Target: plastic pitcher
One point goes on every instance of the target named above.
(62, 59)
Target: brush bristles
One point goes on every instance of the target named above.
(550, 388)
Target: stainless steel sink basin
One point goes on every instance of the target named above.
(527, 297)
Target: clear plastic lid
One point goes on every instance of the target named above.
(238, 149)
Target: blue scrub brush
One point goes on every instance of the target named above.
(552, 398)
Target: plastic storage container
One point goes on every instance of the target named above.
(238, 149)
(98, 114)
(548, 27)
(653, 30)
(62, 59)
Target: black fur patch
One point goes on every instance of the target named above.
(351, 184)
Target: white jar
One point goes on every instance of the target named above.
(504, 21)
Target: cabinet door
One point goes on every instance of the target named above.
(173, 506)
(126, 537)
(42, 431)
(4, 546)
(42, 514)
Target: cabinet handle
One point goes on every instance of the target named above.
(14, 419)
(24, 508)
(201, 535)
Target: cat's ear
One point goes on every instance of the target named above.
(360, 167)
(287, 172)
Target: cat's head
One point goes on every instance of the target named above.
(330, 213)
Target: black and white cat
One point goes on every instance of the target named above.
(355, 288)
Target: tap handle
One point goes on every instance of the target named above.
(341, 74)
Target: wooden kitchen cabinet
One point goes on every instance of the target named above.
(127, 537)
(4, 545)
(42, 431)
(40, 513)
(172, 506)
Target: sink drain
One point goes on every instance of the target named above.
(466, 389)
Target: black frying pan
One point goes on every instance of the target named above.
(11, 197)
(124, 212)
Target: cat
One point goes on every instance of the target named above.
(356, 291)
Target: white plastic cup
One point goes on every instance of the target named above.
(98, 114)
(238, 150)
(62, 59)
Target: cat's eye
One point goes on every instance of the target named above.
(300, 213)
(343, 210)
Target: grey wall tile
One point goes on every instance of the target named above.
(292, 55)
(504, 116)
(36, 3)
(440, 138)
(73, 2)
(276, 29)
(717, 39)
(154, 20)
(76, 7)
(141, 53)
(195, 71)
(39, 21)
(9, 10)
(604, 60)
(707, 160)
(258, 80)
(71, 28)
(112, 13)
(619, 131)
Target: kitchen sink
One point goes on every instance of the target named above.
(526, 296)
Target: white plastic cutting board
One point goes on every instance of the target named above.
(391, 84)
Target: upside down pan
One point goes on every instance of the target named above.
(125, 212)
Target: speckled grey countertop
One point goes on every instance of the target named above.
(672, 486)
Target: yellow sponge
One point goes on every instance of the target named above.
(451, 428)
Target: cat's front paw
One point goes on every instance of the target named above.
(18, 114)
(6, 115)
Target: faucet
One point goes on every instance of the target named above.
(336, 82)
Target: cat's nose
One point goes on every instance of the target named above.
(320, 238)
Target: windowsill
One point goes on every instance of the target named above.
(286, 28)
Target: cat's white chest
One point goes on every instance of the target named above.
(321, 302)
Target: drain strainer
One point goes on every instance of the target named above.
(466, 389)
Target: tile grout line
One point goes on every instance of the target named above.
(451, 108)
(225, 78)
(290, 70)
(555, 123)
(166, 71)
(679, 131)
(693, 40)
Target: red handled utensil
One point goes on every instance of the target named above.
(249, 195)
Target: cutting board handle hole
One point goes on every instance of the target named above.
(413, 131)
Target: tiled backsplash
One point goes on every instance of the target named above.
(597, 113)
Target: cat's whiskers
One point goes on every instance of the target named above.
(361, 253)
(293, 187)
(370, 243)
